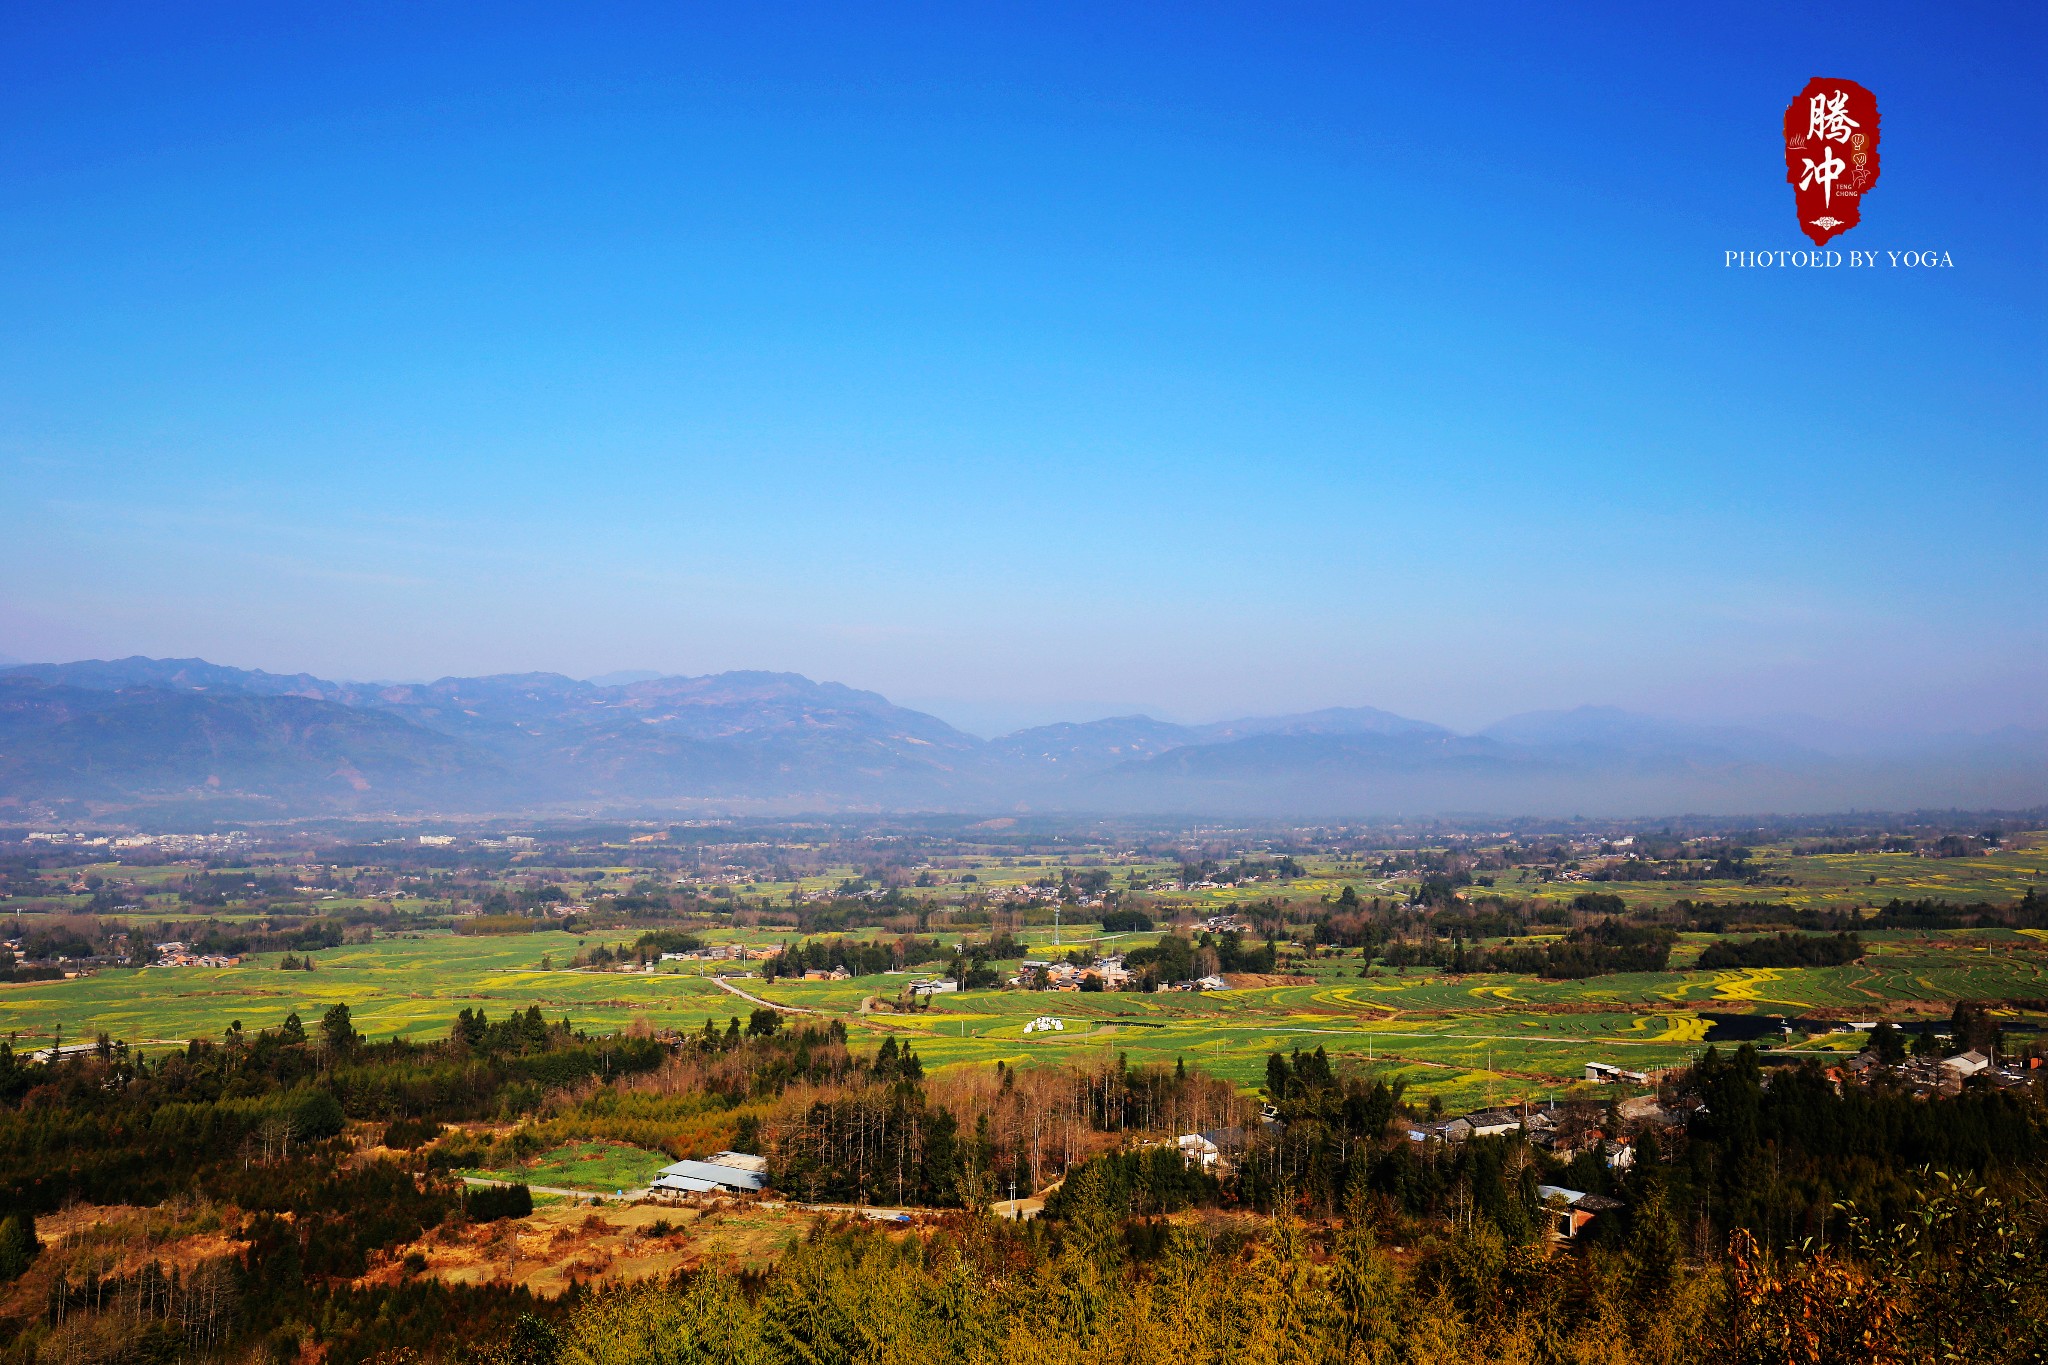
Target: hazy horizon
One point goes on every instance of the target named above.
(993, 719)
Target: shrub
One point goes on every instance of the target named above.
(405, 1135)
(489, 1203)
(318, 1115)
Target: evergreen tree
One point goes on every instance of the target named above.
(1362, 1282)
(1654, 1248)
(338, 1029)
(18, 1245)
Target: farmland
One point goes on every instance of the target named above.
(1467, 1038)
(533, 1029)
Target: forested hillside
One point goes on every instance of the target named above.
(296, 1171)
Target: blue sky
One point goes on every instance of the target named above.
(1023, 363)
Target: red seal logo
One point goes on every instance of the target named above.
(1830, 155)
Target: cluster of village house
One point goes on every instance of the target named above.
(1569, 1131)
(181, 955)
(1109, 972)
(170, 843)
(1565, 1131)
(1039, 895)
(725, 952)
(1945, 1075)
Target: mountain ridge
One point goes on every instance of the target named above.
(142, 730)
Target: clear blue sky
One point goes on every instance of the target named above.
(1020, 362)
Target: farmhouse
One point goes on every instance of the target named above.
(1645, 1110)
(1607, 1073)
(1570, 1210)
(1492, 1123)
(1112, 973)
(180, 955)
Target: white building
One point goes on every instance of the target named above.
(725, 1173)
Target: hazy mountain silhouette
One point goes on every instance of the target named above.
(134, 732)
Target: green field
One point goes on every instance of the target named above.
(1469, 1038)
(599, 1167)
(405, 986)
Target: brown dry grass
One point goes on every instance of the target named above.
(561, 1244)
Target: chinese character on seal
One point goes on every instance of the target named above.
(1830, 155)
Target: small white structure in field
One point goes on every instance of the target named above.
(1045, 1023)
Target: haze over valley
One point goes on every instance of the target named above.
(185, 739)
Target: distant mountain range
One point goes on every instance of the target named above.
(133, 734)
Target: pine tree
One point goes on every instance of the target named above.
(1363, 1284)
(18, 1245)
(1654, 1248)
(338, 1029)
